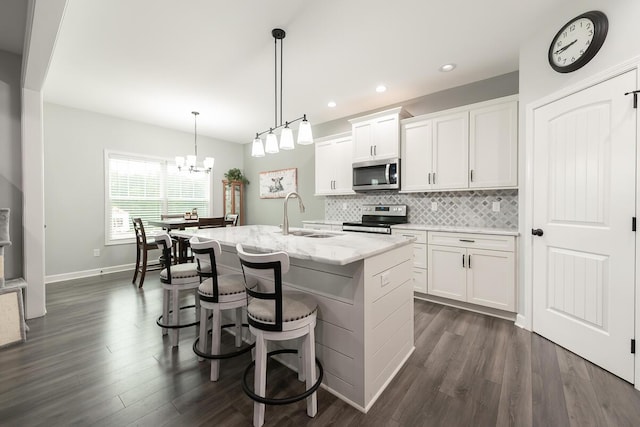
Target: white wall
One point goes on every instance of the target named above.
(537, 78)
(74, 143)
(10, 155)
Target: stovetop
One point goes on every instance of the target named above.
(378, 218)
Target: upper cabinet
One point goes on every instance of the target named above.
(493, 146)
(377, 136)
(468, 147)
(333, 165)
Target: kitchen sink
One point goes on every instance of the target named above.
(311, 233)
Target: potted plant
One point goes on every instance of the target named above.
(235, 174)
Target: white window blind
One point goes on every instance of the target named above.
(146, 188)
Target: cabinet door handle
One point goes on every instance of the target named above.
(371, 150)
(429, 174)
(434, 177)
(375, 150)
(462, 260)
(467, 240)
(469, 263)
(471, 175)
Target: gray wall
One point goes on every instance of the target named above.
(538, 80)
(74, 143)
(11, 158)
(269, 211)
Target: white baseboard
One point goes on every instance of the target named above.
(521, 322)
(88, 273)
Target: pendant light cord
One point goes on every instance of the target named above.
(195, 132)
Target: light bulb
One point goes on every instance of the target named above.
(271, 146)
(179, 162)
(208, 162)
(286, 139)
(305, 136)
(257, 149)
(191, 161)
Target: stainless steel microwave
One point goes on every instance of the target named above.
(376, 175)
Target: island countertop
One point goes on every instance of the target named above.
(340, 249)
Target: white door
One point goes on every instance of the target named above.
(451, 151)
(583, 202)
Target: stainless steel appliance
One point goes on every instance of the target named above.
(376, 175)
(378, 219)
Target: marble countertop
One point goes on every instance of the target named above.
(340, 249)
(436, 227)
(457, 229)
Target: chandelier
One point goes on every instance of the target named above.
(286, 135)
(191, 160)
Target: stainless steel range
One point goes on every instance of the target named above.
(378, 219)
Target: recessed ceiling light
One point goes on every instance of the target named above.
(381, 88)
(447, 67)
(331, 104)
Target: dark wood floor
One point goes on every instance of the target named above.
(98, 358)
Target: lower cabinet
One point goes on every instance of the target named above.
(475, 268)
(419, 267)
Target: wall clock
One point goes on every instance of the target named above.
(578, 41)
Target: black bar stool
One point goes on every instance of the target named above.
(217, 293)
(275, 315)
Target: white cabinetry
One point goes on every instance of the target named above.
(377, 136)
(468, 147)
(474, 268)
(493, 146)
(419, 269)
(333, 165)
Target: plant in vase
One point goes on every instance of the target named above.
(235, 174)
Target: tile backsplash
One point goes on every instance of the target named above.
(458, 208)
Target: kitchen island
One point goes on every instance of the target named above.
(363, 285)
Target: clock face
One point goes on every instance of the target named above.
(573, 42)
(578, 41)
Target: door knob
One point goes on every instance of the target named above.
(537, 231)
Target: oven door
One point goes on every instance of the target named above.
(376, 175)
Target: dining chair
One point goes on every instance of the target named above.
(174, 279)
(231, 220)
(181, 248)
(211, 222)
(144, 244)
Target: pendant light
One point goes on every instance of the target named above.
(305, 137)
(191, 161)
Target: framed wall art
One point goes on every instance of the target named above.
(276, 184)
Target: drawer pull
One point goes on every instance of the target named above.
(467, 240)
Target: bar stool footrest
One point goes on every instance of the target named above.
(186, 325)
(284, 400)
(223, 355)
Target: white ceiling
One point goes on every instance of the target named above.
(155, 61)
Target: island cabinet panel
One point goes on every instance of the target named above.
(364, 330)
(388, 317)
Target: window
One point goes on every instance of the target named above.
(146, 187)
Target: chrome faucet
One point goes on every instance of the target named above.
(285, 221)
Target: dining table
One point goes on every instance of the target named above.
(182, 244)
